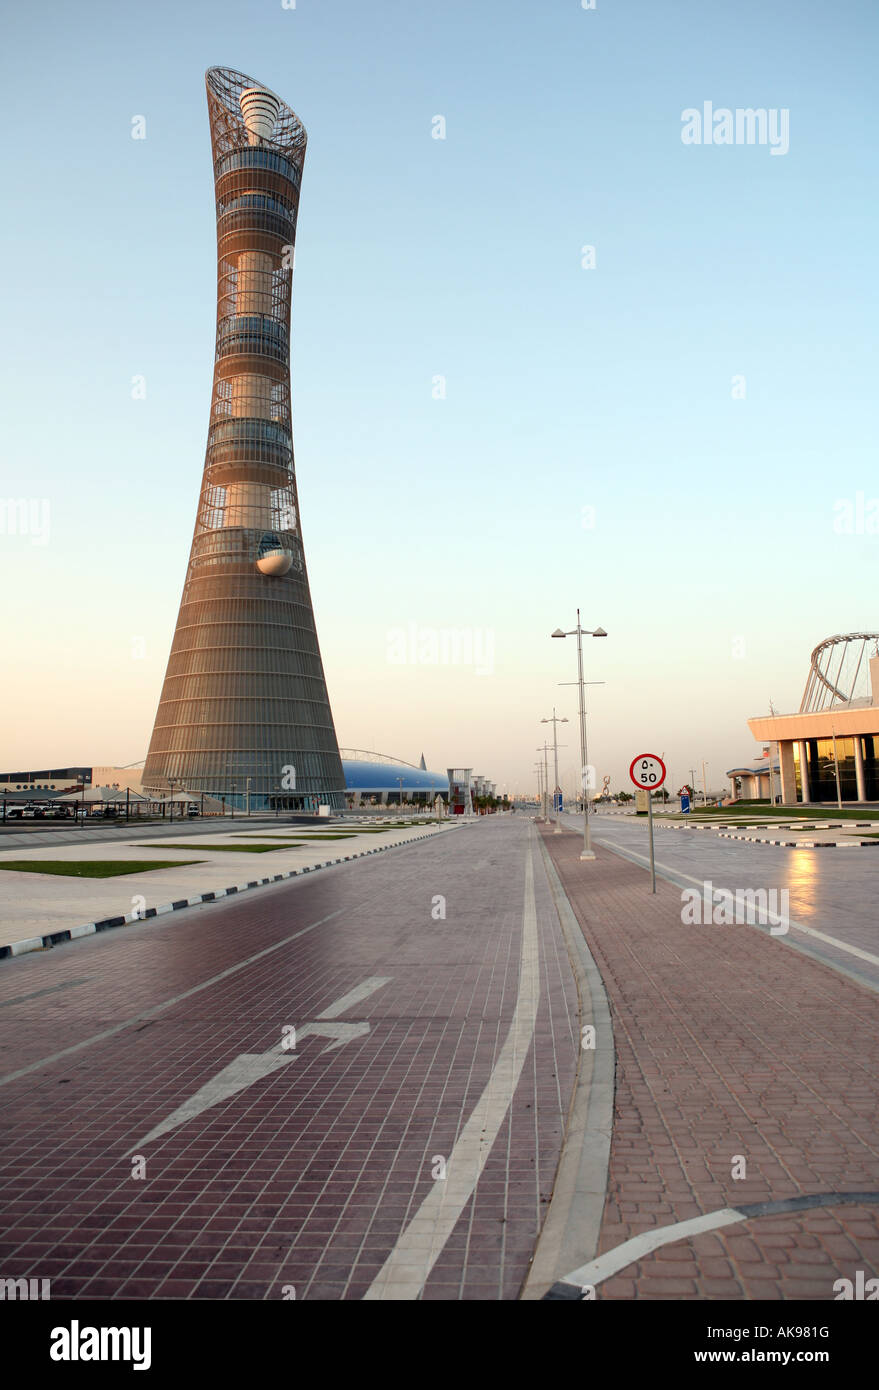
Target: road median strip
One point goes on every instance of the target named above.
(45, 942)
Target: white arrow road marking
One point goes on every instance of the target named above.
(249, 1067)
(354, 996)
(342, 1032)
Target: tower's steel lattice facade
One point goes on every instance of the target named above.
(244, 706)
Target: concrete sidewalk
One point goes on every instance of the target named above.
(745, 1075)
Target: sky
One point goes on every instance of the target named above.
(493, 426)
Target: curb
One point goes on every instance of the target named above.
(773, 825)
(802, 844)
(570, 1232)
(727, 832)
(57, 938)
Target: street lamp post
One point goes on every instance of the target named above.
(544, 749)
(555, 721)
(587, 851)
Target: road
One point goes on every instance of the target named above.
(357, 1084)
(831, 891)
(159, 1139)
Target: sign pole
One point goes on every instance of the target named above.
(648, 772)
(650, 830)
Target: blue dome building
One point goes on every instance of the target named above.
(376, 778)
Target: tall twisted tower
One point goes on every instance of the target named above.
(244, 706)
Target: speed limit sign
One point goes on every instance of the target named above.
(647, 771)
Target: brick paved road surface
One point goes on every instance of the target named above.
(728, 1044)
(408, 979)
(307, 1174)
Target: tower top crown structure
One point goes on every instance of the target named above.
(244, 111)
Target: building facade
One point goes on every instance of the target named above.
(828, 750)
(460, 796)
(244, 710)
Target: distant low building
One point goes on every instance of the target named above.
(460, 797)
(754, 782)
(57, 779)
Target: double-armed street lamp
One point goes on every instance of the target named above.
(555, 721)
(587, 851)
(544, 749)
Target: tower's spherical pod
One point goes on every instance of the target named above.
(275, 562)
(260, 108)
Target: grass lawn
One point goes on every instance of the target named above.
(305, 839)
(232, 849)
(283, 840)
(95, 868)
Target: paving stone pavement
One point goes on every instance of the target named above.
(799, 1256)
(728, 1044)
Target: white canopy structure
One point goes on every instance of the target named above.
(91, 796)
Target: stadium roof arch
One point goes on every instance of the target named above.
(372, 773)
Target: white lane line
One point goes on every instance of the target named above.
(612, 1261)
(249, 1067)
(797, 926)
(354, 996)
(168, 1003)
(408, 1266)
